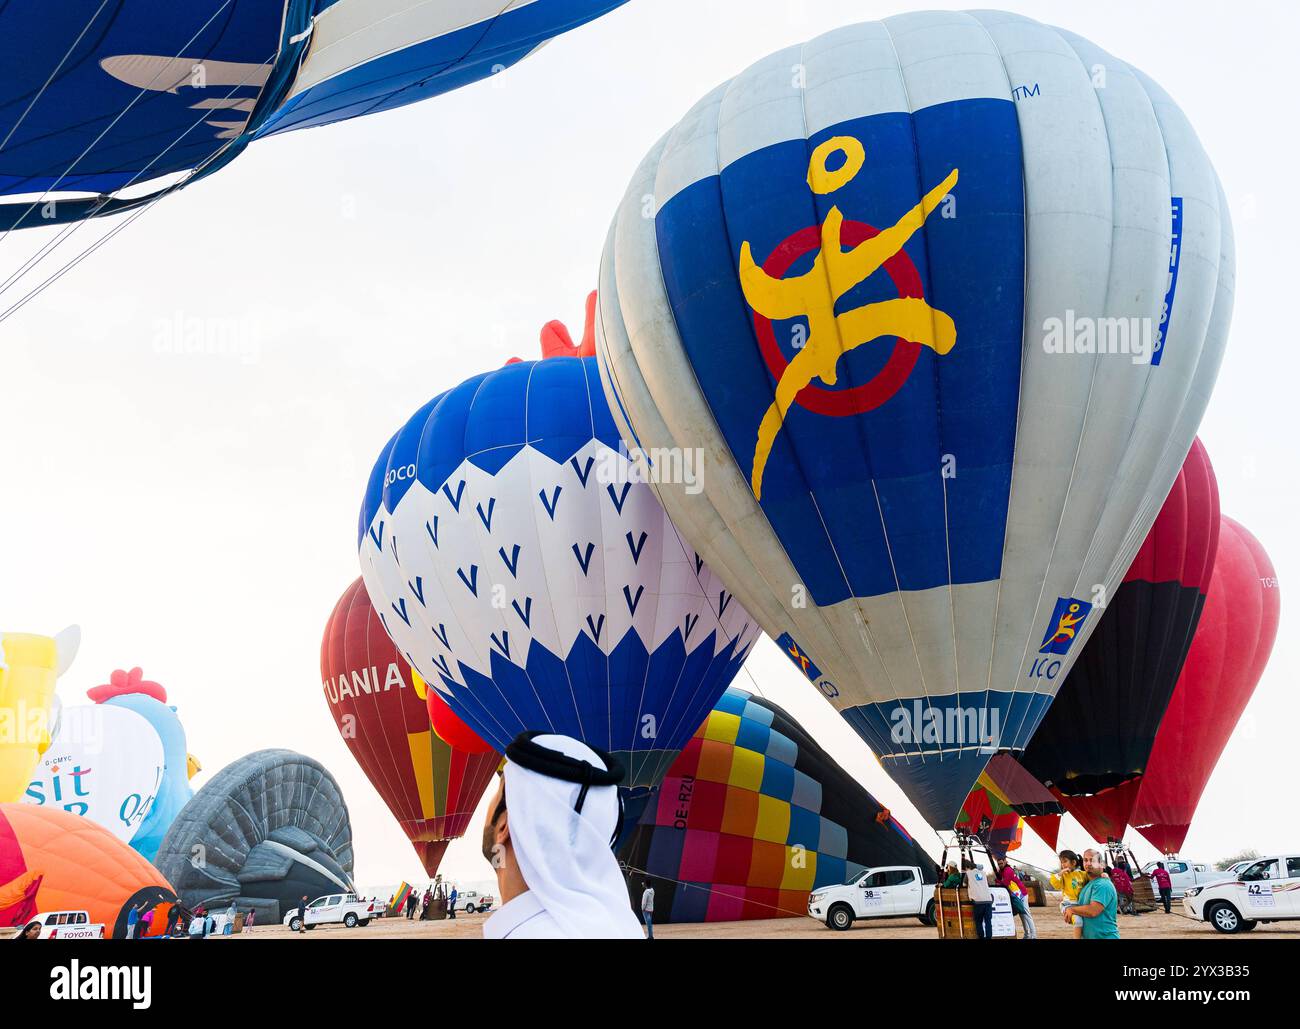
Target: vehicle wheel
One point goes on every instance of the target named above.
(350, 920)
(295, 923)
(928, 917)
(840, 917)
(470, 909)
(1225, 918)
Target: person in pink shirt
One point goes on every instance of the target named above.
(1123, 883)
(1160, 875)
(1008, 877)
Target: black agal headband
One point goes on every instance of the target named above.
(526, 753)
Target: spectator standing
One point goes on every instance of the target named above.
(1160, 876)
(1098, 902)
(981, 898)
(132, 921)
(648, 908)
(1008, 878)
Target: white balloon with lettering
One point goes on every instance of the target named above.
(104, 763)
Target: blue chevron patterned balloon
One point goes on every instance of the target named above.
(528, 572)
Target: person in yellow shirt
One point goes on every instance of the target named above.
(1070, 880)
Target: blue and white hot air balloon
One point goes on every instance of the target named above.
(942, 298)
(525, 569)
(107, 95)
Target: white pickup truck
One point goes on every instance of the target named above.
(68, 925)
(1267, 890)
(1183, 875)
(471, 901)
(891, 891)
(337, 908)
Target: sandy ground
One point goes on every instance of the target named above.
(1151, 926)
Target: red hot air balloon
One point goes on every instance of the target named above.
(1094, 742)
(1225, 662)
(447, 725)
(432, 787)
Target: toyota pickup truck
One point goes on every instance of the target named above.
(68, 925)
(1267, 890)
(337, 908)
(1183, 875)
(891, 891)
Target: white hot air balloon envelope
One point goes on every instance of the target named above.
(105, 764)
(941, 300)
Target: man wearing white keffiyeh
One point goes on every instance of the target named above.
(551, 846)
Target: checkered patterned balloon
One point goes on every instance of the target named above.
(754, 815)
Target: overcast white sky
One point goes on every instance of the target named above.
(196, 514)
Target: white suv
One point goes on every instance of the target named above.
(1267, 890)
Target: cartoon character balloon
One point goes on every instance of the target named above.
(430, 784)
(942, 315)
(524, 569)
(130, 691)
(135, 91)
(29, 667)
(106, 764)
(270, 827)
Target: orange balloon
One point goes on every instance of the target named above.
(51, 860)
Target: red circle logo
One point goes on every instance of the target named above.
(885, 383)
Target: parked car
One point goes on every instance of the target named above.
(894, 891)
(1185, 874)
(1267, 890)
(472, 901)
(337, 908)
(68, 925)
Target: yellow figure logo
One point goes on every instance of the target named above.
(835, 271)
(1066, 627)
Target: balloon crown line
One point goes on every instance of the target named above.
(557, 342)
(122, 683)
